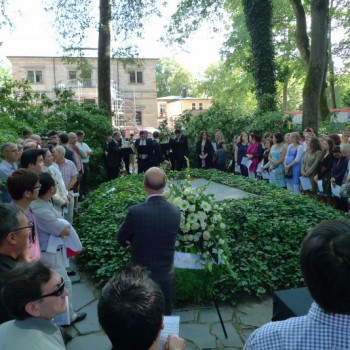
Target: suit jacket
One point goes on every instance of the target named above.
(180, 147)
(151, 227)
(114, 154)
(148, 149)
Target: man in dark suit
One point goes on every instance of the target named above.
(113, 158)
(144, 147)
(180, 150)
(150, 230)
(126, 150)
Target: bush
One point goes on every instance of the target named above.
(265, 231)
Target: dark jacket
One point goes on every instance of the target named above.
(208, 149)
(151, 227)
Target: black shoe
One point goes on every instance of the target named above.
(80, 316)
(71, 273)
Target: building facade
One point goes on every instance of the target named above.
(134, 95)
(171, 107)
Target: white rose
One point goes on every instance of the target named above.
(211, 228)
(221, 241)
(203, 225)
(190, 238)
(222, 225)
(192, 208)
(195, 226)
(206, 235)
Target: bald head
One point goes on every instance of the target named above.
(154, 180)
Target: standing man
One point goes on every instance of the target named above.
(84, 188)
(150, 230)
(126, 151)
(144, 148)
(34, 294)
(113, 158)
(180, 149)
(10, 157)
(24, 186)
(14, 234)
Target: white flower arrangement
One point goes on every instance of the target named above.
(201, 228)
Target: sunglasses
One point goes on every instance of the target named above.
(56, 293)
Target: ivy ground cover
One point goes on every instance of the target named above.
(264, 233)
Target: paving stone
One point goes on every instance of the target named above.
(90, 324)
(185, 316)
(211, 315)
(75, 279)
(82, 296)
(255, 314)
(245, 335)
(233, 338)
(90, 342)
(199, 334)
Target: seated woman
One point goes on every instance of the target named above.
(293, 161)
(324, 172)
(204, 151)
(276, 158)
(254, 153)
(311, 162)
(220, 153)
(241, 151)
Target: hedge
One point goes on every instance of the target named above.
(265, 231)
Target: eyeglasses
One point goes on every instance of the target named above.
(32, 228)
(37, 186)
(57, 292)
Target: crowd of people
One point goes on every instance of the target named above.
(299, 162)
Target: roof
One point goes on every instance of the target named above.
(178, 98)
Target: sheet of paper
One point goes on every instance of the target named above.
(238, 169)
(247, 162)
(171, 326)
(320, 185)
(336, 190)
(305, 183)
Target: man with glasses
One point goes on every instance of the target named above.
(34, 294)
(23, 186)
(14, 233)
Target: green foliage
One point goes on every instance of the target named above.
(265, 231)
(171, 78)
(258, 16)
(20, 108)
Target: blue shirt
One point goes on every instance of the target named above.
(318, 330)
(6, 169)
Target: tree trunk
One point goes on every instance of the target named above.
(333, 100)
(316, 68)
(258, 17)
(285, 95)
(104, 56)
(302, 38)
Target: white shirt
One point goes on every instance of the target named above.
(86, 149)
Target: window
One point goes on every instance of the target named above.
(136, 77)
(193, 106)
(162, 108)
(35, 76)
(72, 74)
(138, 118)
(201, 105)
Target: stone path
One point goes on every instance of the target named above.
(200, 326)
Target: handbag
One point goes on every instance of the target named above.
(289, 174)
